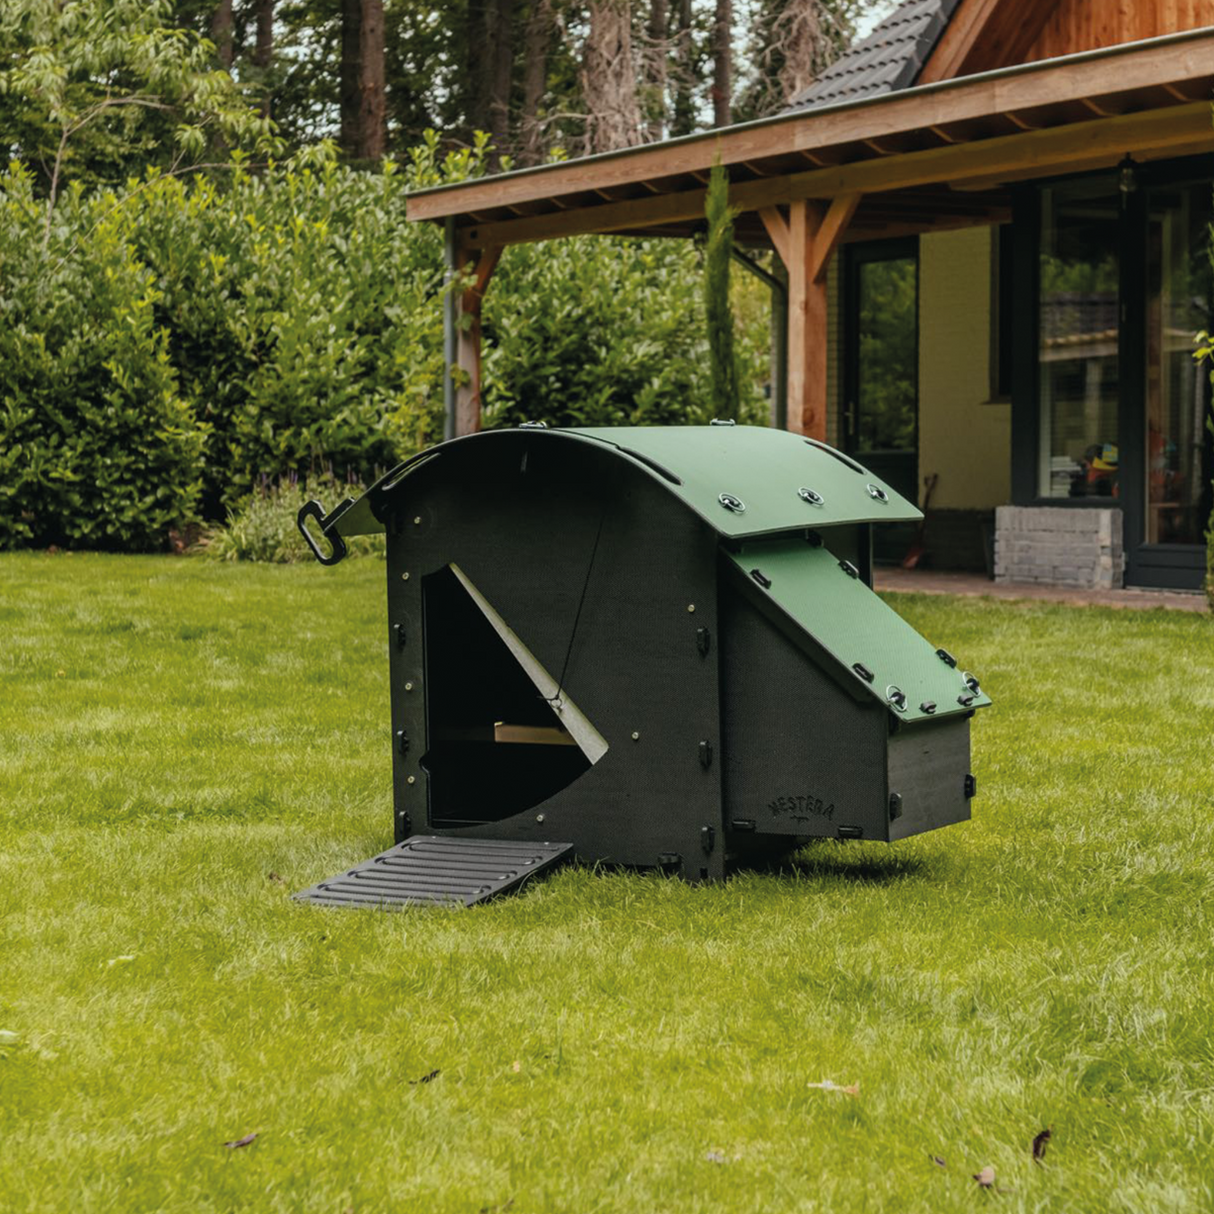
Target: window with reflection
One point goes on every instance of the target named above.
(887, 389)
(1177, 389)
(1078, 318)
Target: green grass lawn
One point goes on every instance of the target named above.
(182, 744)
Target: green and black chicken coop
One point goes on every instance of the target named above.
(654, 647)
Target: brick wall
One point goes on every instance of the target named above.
(1059, 546)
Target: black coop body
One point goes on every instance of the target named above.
(656, 647)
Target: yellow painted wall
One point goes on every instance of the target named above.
(961, 436)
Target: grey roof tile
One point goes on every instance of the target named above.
(887, 60)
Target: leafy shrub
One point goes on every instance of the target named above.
(304, 317)
(173, 343)
(263, 527)
(97, 447)
(602, 332)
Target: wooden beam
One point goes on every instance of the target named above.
(485, 265)
(830, 232)
(777, 231)
(468, 337)
(807, 403)
(1183, 59)
(986, 34)
(962, 31)
(1023, 123)
(1077, 147)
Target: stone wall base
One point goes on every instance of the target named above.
(1060, 546)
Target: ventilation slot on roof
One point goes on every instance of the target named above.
(843, 459)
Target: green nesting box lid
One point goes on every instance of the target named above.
(856, 628)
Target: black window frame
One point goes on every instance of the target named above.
(1180, 566)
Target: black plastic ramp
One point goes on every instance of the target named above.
(427, 870)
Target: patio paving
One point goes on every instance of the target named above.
(976, 585)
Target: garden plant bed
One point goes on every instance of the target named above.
(183, 743)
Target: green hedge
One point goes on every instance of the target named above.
(170, 346)
(98, 448)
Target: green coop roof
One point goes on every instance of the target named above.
(856, 628)
(783, 481)
(742, 480)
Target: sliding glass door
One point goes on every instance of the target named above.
(1115, 412)
(1177, 389)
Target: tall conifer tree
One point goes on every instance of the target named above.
(726, 381)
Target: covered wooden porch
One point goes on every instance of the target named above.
(937, 156)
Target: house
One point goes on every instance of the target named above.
(992, 218)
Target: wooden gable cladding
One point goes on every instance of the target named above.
(985, 35)
(1083, 25)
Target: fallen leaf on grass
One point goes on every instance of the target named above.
(829, 1085)
(241, 1142)
(433, 1075)
(1039, 1144)
(985, 1178)
(939, 1162)
(516, 1067)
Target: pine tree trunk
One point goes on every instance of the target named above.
(537, 43)
(477, 50)
(656, 50)
(683, 119)
(502, 71)
(722, 63)
(263, 51)
(608, 79)
(363, 102)
(221, 33)
(489, 50)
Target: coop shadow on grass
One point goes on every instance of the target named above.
(829, 861)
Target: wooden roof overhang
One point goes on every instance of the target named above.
(924, 158)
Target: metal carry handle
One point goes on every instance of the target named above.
(314, 509)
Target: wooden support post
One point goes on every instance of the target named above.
(779, 349)
(450, 327)
(806, 324)
(468, 337)
(805, 244)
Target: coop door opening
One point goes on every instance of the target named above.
(503, 737)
